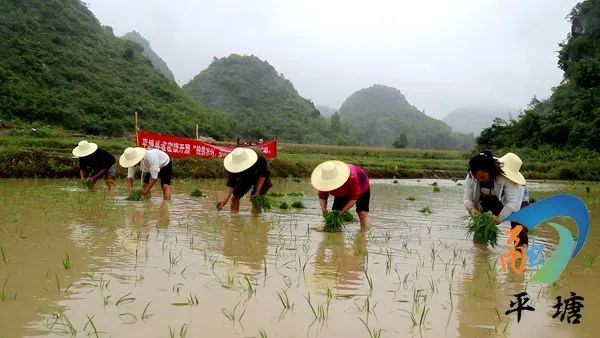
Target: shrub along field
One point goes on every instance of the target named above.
(49, 155)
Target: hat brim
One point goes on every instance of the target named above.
(238, 167)
(139, 155)
(517, 178)
(321, 184)
(77, 152)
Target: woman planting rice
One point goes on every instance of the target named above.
(348, 184)
(154, 163)
(248, 169)
(495, 185)
(95, 163)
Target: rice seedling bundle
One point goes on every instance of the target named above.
(284, 206)
(334, 222)
(135, 196)
(198, 193)
(261, 203)
(348, 217)
(483, 229)
(87, 184)
(296, 194)
(275, 194)
(298, 205)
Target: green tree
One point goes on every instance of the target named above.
(570, 117)
(401, 141)
(336, 122)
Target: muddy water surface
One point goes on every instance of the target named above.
(74, 262)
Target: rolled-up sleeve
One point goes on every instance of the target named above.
(512, 198)
(153, 165)
(468, 192)
(131, 172)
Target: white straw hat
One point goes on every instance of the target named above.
(511, 164)
(330, 175)
(84, 148)
(240, 159)
(131, 156)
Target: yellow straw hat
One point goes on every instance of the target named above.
(84, 148)
(330, 175)
(511, 164)
(131, 156)
(240, 159)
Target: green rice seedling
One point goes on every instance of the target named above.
(91, 322)
(333, 222)
(232, 314)
(182, 331)
(395, 182)
(532, 200)
(191, 300)
(435, 184)
(87, 185)
(4, 296)
(128, 318)
(411, 198)
(588, 260)
(483, 229)
(125, 299)
(587, 189)
(198, 193)
(64, 322)
(275, 194)
(261, 203)
(66, 262)
(251, 287)
(135, 196)
(284, 206)
(285, 301)
(450, 293)
(426, 210)
(436, 189)
(370, 281)
(262, 333)
(145, 314)
(454, 179)
(372, 332)
(3, 255)
(348, 217)
(295, 194)
(298, 205)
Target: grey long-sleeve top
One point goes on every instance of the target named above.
(508, 192)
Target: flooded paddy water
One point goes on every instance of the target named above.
(81, 263)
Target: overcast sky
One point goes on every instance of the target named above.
(441, 54)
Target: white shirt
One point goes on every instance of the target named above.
(509, 193)
(153, 161)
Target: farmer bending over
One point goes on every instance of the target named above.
(495, 185)
(154, 163)
(348, 184)
(248, 169)
(95, 163)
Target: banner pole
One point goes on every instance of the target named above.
(137, 141)
(197, 132)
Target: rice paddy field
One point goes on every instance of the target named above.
(90, 263)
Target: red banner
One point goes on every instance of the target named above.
(183, 147)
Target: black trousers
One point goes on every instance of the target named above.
(493, 204)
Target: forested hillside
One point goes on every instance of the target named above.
(60, 67)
